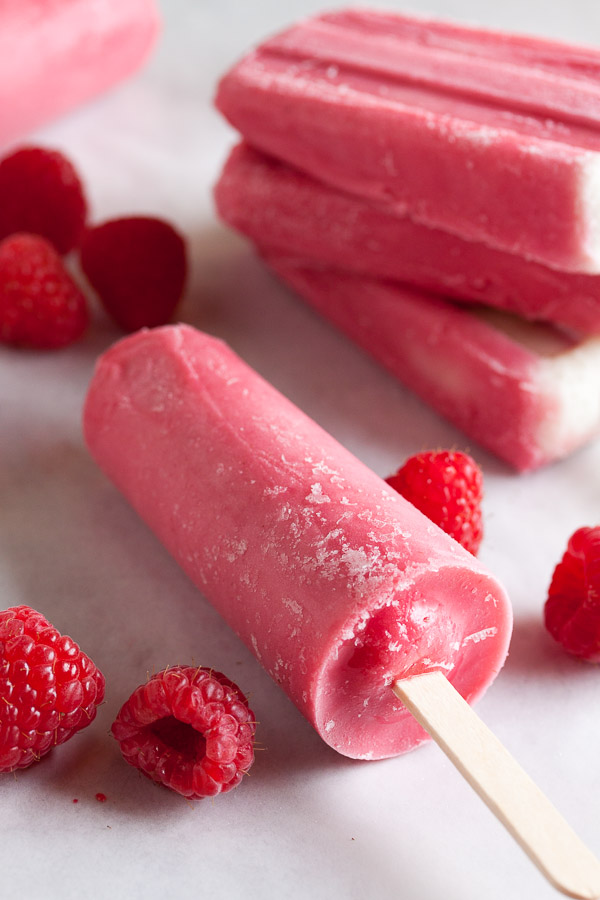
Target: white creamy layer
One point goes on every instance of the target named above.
(572, 380)
(566, 371)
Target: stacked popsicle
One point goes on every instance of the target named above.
(434, 190)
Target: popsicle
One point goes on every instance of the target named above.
(353, 601)
(281, 207)
(526, 391)
(490, 136)
(335, 582)
(56, 54)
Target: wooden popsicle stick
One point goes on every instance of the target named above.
(502, 784)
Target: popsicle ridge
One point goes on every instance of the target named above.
(485, 139)
(520, 76)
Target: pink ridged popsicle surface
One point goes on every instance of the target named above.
(492, 137)
(56, 54)
(336, 583)
(281, 207)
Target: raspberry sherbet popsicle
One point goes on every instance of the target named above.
(281, 207)
(56, 54)
(493, 137)
(359, 606)
(336, 583)
(526, 391)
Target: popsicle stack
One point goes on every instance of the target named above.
(434, 190)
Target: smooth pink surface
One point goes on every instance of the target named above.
(484, 135)
(56, 54)
(281, 207)
(473, 373)
(335, 582)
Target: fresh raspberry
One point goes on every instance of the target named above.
(448, 488)
(40, 304)
(40, 192)
(49, 689)
(572, 611)
(190, 729)
(138, 268)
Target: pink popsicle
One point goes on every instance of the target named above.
(525, 391)
(336, 583)
(492, 137)
(279, 206)
(55, 54)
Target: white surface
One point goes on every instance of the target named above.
(306, 823)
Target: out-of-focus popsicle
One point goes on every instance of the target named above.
(526, 391)
(336, 583)
(493, 137)
(281, 207)
(56, 54)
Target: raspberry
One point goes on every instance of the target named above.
(40, 192)
(190, 729)
(572, 611)
(448, 488)
(40, 304)
(49, 689)
(138, 268)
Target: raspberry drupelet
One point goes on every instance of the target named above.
(572, 611)
(49, 688)
(190, 729)
(447, 486)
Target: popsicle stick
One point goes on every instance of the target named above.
(502, 784)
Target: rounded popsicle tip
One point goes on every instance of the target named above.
(445, 616)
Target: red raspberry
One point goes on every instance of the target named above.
(190, 729)
(448, 488)
(138, 268)
(572, 611)
(40, 304)
(40, 192)
(49, 689)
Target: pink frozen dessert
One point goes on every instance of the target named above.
(489, 136)
(282, 208)
(337, 584)
(56, 54)
(526, 391)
